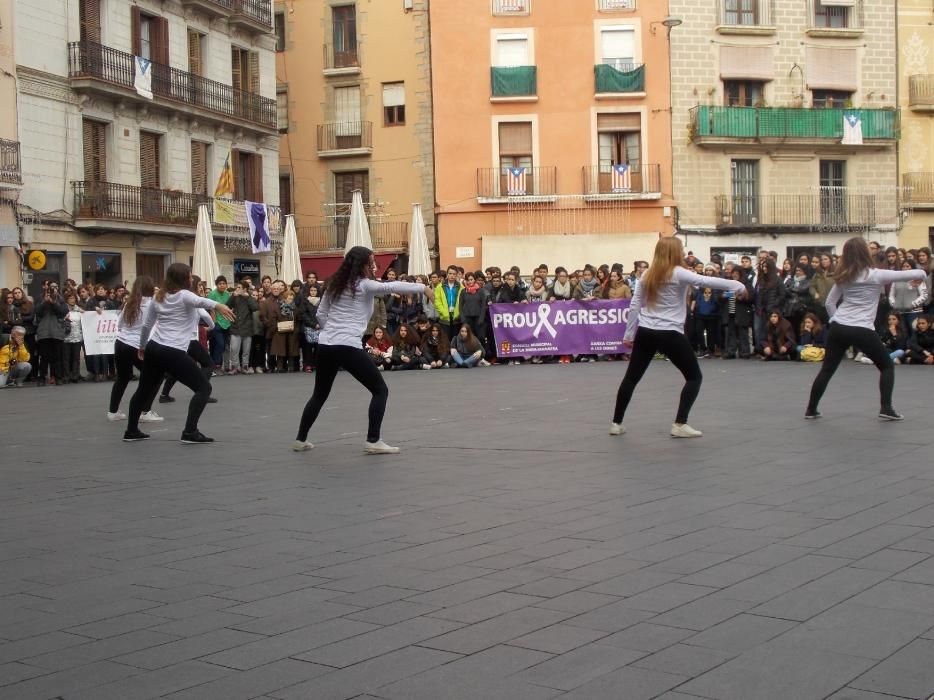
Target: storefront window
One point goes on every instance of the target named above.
(102, 268)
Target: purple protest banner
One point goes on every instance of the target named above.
(593, 327)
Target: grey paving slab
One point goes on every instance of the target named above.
(544, 560)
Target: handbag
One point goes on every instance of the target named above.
(311, 335)
(812, 353)
(285, 326)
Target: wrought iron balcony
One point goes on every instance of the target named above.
(215, 8)
(513, 81)
(919, 189)
(10, 168)
(832, 209)
(344, 61)
(499, 184)
(255, 15)
(339, 139)
(724, 125)
(386, 235)
(93, 66)
(109, 201)
(619, 78)
(737, 17)
(921, 93)
(601, 182)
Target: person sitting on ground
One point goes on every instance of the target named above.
(14, 359)
(894, 338)
(379, 348)
(434, 348)
(812, 339)
(921, 342)
(465, 350)
(779, 341)
(405, 351)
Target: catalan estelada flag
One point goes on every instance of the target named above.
(225, 185)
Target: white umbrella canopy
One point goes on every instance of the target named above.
(359, 231)
(419, 259)
(204, 263)
(291, 262)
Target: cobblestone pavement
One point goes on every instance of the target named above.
(512, 551)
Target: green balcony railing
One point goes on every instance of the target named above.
(789, 123)
(609, 79)
(514, 81)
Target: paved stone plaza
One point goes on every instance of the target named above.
(512, 551)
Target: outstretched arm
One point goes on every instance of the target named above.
(635, 306)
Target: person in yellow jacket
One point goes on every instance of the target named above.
(14, 359)
(448, 302)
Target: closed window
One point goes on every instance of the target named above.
(199, 168)
(619, 138)
(150, 36)
(393, 104)
(745, 177)
(344, 35)
(150, 152)
(345, 183)
(247, 175)
(285, 194)
(95, 150)
(832, 15)
(282, 109)
(348, 128)
(512, 50)
(280, 31)
(742, 93)
(617, 46)
(741, 12)
(831, 99)
(89, 19)
(196, 52)
(244, 66)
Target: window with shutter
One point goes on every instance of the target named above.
(515, 139)
(248, 176)
(393, 104)
(95, 150)
(195, 46)
(238, 65)
(282, 109)
(617, 45)
(199, 168)
(149, 160)
(280, 31)
(89, 18)
(236, 173)
(254, 73)
(136, 18)
(347, 116)
(512, 50)
(256, 169)
(285, 194)
(344, 35)
(346, 183)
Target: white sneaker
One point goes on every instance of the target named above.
(617, 429)
(866, 361)
(114, 417)
(299, 446)
(379, 448)
(683, 430)
(150, 417)
(484, 363)
(426, 366)
(858, 357)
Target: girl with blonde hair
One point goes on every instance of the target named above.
(656, 325)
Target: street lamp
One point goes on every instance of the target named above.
(668, 22)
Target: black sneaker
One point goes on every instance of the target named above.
(164, 398)
(812, 415)
(196, 438)
(890, 414)
(134, 436)
(211, 399)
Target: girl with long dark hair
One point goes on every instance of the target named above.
(343, 314)
(126, 349)
(853, 322)
(170, 319)
(656, 325)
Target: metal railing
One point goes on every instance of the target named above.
(835, 16)
(919, 187)
(346, 58)
(10, 168)
(789, 122)
(115, 202)
(384, 234)
(511, 7)
(600, 179)
(225, 6)
(616, 5)
(513, 81)
(832, 209)
(343, 136)
(256, 10)
(736, 13)
(495, 183)
(921, 90)
(90, 60)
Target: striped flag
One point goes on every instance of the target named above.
(621, 178)
(225, 184)
(515, 181)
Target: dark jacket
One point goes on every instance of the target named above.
(27, 314)
(744, 308)
(473, 304)
(509, 295)
(818, 340)
(102, 303)
(50, 319)
(779, 336)
(919, 343)
(769, 299)
(894, 341)
(243, 306)
(431, 351)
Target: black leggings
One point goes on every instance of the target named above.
(198, 353)
(126, 358)
(359, 365)
(161, 360)
(676, 347)
(868, 342)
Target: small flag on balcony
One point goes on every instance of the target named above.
(258, 219)
(515, 181)
(142, 76)
(621, 178)
(852, 129)
(225, 186)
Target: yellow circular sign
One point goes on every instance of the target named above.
(36, 260)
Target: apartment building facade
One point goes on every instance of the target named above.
(355, 114)
(115, 165)
(785, 125)
(916, 99)
(10, 165)
(552, 131)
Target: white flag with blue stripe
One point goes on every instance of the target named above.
(852, 129)
(142, 76)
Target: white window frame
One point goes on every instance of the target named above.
(498, 35)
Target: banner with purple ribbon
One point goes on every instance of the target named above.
(258, 221)
(593, 327)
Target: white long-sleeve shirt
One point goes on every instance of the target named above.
(344, 321)
(861, 296)
(670, 308)
(128, 333)
(177, 315)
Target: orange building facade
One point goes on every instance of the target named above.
(552, 131)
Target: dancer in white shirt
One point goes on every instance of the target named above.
(170, 319)
(852, 323)
(343, 314)
(126, 349)
(656, 325)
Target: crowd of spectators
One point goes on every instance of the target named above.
(782, 317)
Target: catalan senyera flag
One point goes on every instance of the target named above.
(225, 184)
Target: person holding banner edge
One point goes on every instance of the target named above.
(656, 325)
